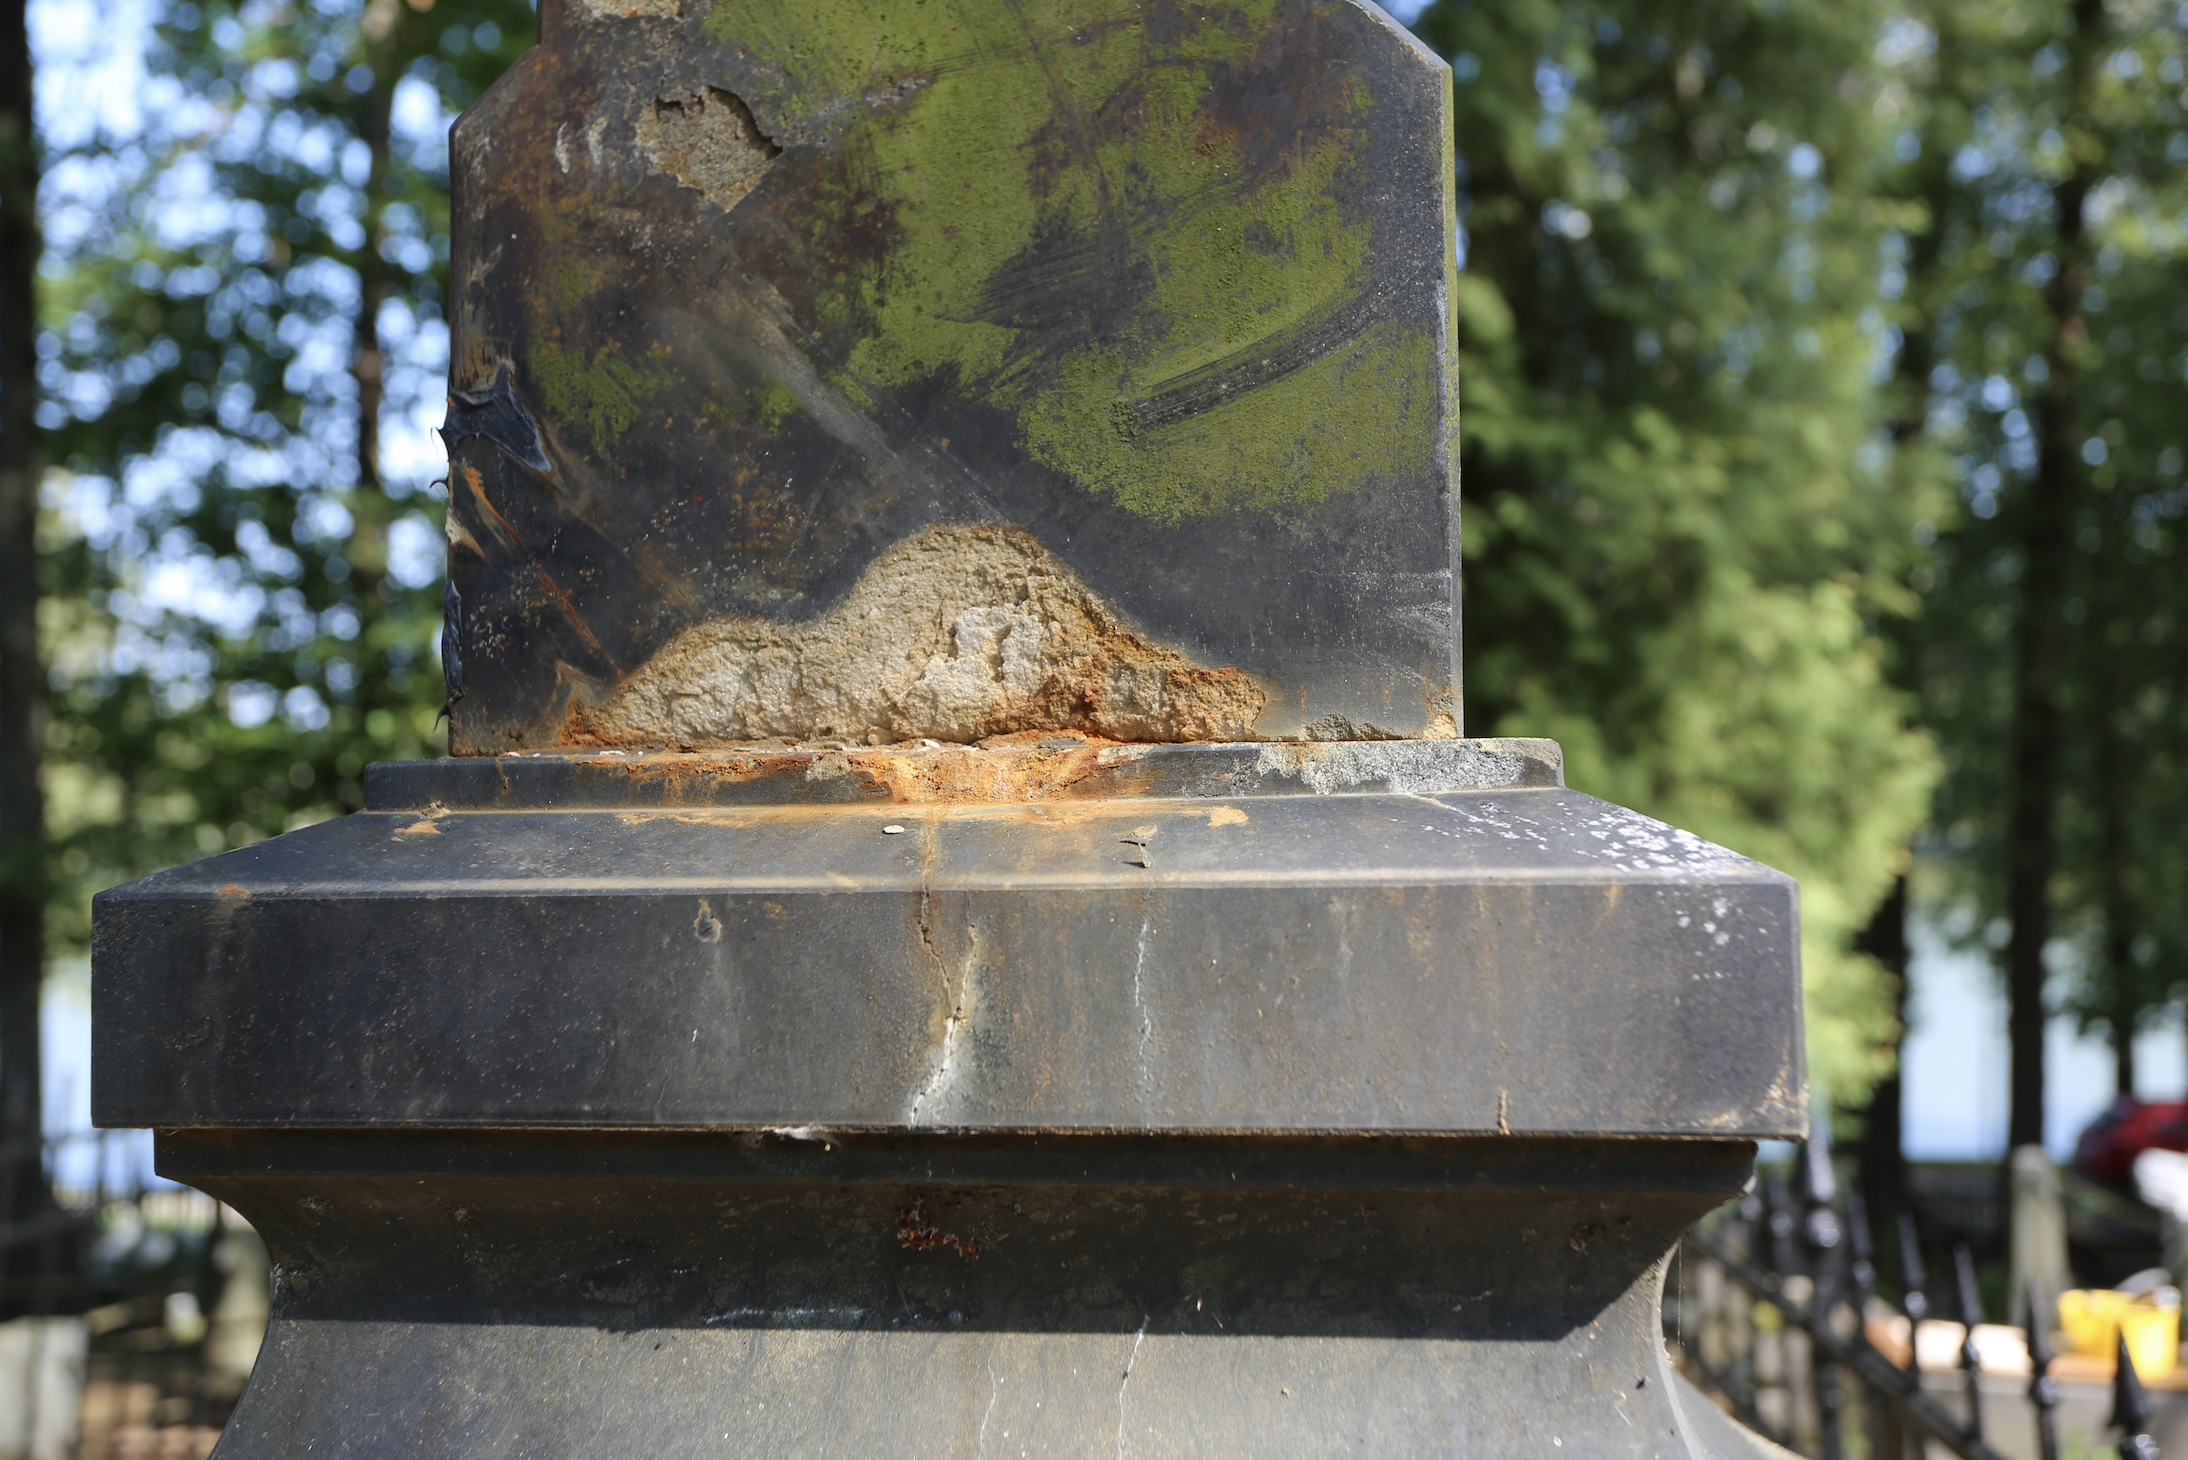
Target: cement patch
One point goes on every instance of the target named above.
(708, 141)
(957, 634)
(634, 9)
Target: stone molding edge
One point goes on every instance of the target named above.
(1057, 767)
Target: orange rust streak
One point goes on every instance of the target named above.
(1004, 771)
(569, 609)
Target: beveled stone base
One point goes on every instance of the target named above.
(540, 1294)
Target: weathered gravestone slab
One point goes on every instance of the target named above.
(896, 370)
(960, 922)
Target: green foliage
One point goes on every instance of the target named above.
(2013, 113)
(1684, 521)
(239, 608)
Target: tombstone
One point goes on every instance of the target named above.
(2036, 1228)
(960, 920)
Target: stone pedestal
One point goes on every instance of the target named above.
(960, 921)
(1210, 1100)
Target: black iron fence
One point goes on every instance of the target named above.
(130, 1309)
(156, 1296)
(1774, 1307)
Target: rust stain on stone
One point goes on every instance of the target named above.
(503, 529)
(996, 771)
(958, 634)
(915, 1233)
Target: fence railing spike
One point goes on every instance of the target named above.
(1800, 1242)
(1914, 1280)
(1971, 1318)
(2130, 1406)
(2043, 1390)
(1874, 1369)
(1821, 1250)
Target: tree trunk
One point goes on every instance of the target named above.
(368, 363)
(2122, 1033)
(2046, 542)
(1883, 1157)
(22, 680)
(2122, 998)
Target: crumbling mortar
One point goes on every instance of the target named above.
(958, 634)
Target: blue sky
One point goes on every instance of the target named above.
(1956, 1061)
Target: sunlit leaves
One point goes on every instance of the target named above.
(238, 620)
(1685, 515)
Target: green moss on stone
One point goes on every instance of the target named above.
(1008, 143)
(849, 387)
(1367, 410)
(603, 395)
(776, 404)
(571, 284)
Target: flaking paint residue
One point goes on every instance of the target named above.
(957, 634)
(708, 141)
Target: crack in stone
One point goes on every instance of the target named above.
(957, 1000)
(1129, 1360)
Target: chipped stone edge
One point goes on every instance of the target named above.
(1409, 767)
(1068, 767)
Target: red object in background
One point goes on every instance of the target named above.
(2107, 1150)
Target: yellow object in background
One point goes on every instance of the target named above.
(2092, 1317)
(2153, 1336)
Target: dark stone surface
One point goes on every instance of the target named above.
(497, 1294)
(1165, 285)
(1284, 1122)
(1525, 959)
(1054, 1095)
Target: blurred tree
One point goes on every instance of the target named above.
(1686, 514)
(22, 675)
(2051, 662)
(2113, 352)
(1918, 180)
(243, 352)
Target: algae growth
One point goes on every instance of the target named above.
(777, 404)
(603, 393)
(1108, 219)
